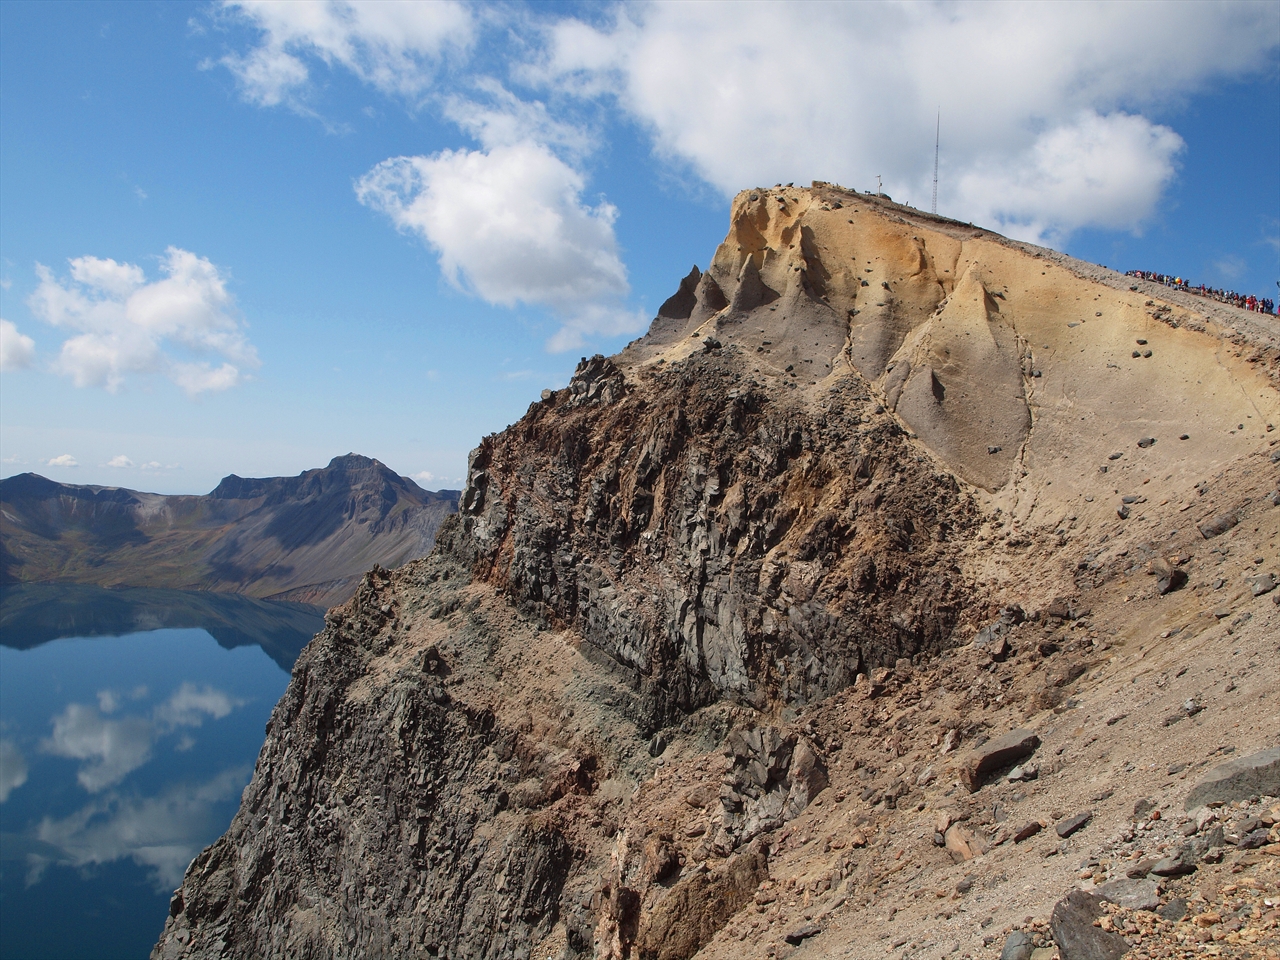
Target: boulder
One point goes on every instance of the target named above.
(962, 844)
(1174, 910)
(1182, 862)
(803, 933)
(995, 754)
(1029, 831)
(1076, 936)
(1018, 946)
(1263, 583)
(1070, 825)
(1134, 894)
(1218, 525)
(1168, 576)
(1255, 775)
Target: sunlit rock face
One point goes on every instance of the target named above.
(703, 584)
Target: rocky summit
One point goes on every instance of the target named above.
(905, 591)
(307, 538)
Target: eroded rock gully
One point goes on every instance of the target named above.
(714, 659)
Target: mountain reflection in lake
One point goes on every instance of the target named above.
(129, 724)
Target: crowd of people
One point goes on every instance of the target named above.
(1257, 304)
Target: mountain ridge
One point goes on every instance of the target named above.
(304, 538)
(706, 663)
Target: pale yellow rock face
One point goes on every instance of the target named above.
(1013, 364)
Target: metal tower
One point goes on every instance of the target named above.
(937, 139)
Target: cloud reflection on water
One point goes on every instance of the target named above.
(162, 833)
(115, 748)
(13, 769)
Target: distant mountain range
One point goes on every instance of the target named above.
(306, 538)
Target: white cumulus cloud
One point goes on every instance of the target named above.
(1097, 171)
(396, 47)
(1042, 125)
(122, 462)
(16, 350)
(66, 460)
(127, 325)
(509, 224)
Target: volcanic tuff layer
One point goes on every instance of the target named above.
(713, 645)
(306, 538)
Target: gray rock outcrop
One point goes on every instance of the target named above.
(1255, 775)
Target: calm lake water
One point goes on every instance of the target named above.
(129, 725)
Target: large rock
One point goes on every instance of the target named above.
(1255, 775)
(1217, 526)
(1018, 947)
(774, 776)
(962, 843)
(1134, 894)
(995, 754)
(1076, 936)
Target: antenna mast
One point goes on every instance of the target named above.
(937, 140)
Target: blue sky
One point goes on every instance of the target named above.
(249, 237)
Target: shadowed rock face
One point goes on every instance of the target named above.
(699, 590)
(304, 538)
(714, 536)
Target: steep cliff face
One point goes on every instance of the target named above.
(702, 644)
(715, 536)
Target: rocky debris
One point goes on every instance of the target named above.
(595, 381)
(1236, 919)
(1255, 775)
(995, 754)
(1072, 923)
(993, 637)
